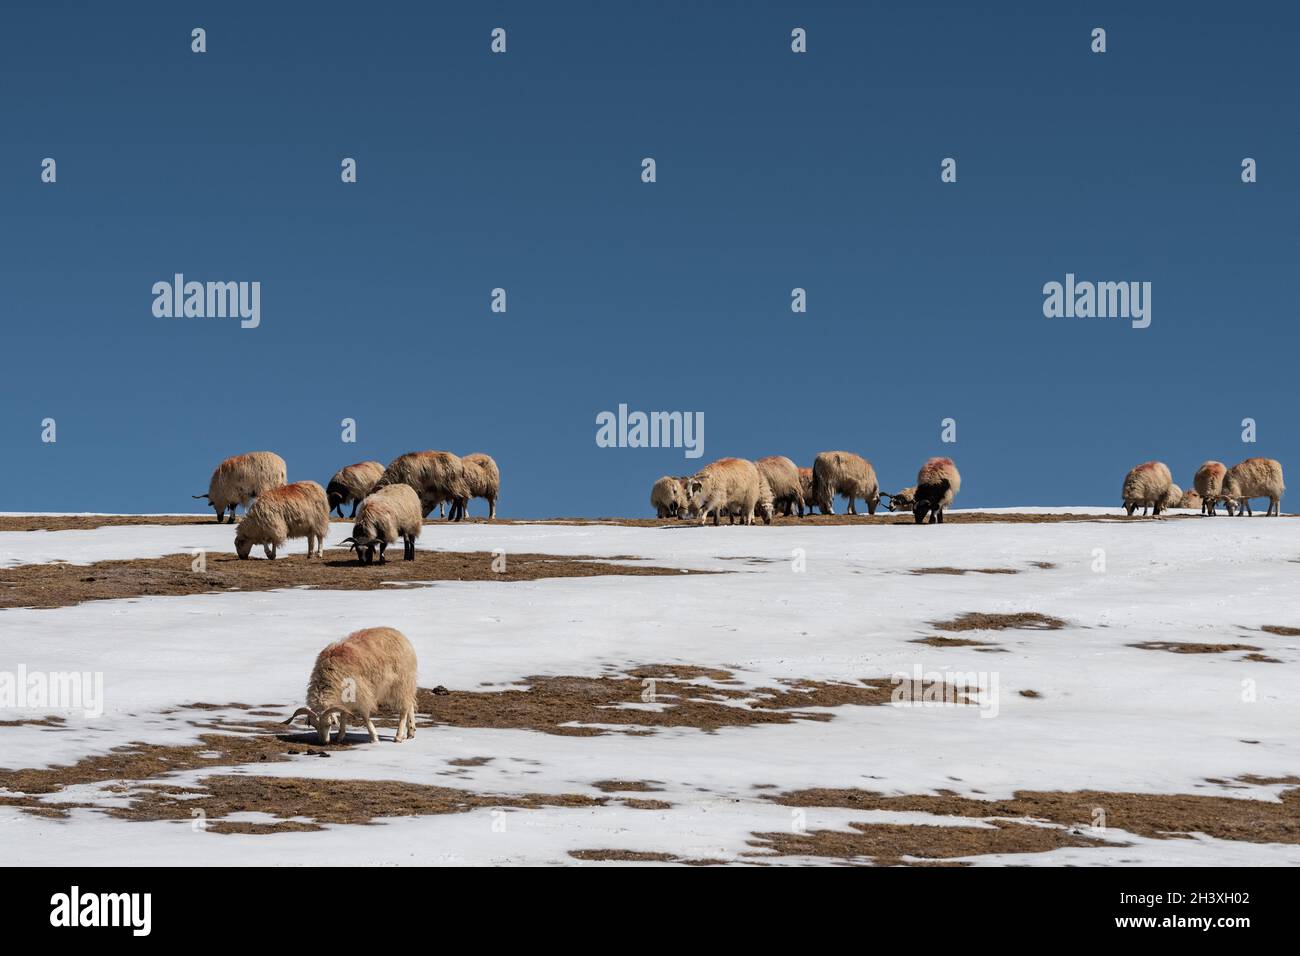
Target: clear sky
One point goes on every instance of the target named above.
(522, 170)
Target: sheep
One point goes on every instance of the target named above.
(436, 476)
(1190, 499)
(290, 511)
(728, 486)
(904, 500)
(1208, 482)
(351, 484)
(1255, 478)
(764, 506)
(241, 478)
(847, 474)
(483, 478)
(937, 483)
(390, 513)
(1146, 485)
(370, 668)
(783, 477)
(806, 487)
(668, 497)
(1173, 496)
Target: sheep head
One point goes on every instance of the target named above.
(324, 721)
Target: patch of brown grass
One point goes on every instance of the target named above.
(1159, 816)
(1187, 647)
(639, 856)
(950, 642)
(1281, 630)
(1022, 620)
(958, 571)
(61, 585)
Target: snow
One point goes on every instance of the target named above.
(1111, 716)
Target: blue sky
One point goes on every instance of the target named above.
(522, 171)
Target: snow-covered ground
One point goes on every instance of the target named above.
(1110, 717)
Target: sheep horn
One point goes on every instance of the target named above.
(200, 496)
(329, 712)
(299, 712)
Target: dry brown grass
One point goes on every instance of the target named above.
(1187, 647)
(1023, 620)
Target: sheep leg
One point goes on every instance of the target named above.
(401, 728)
(492, 508)
(442, 510)
(410, 720)
(383, 546)
(354, 509)
(370, 726)
(343, 730)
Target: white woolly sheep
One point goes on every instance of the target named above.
(937, 483)
(390, 513)
(1208, 482)
(436, 476)
(1190, 499)
(241, 478)
(764, 504)
(351, 484)
(1146, 485)
(668, 497)
(782, 476)
(1255, 478)
(729, 486)
(1173, 496)
(844, 473)
(806, 487)
(290, 511)
(371, 668)
(483, 478)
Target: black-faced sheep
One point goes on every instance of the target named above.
(371, 668)
(351, 484)
(1208, 482)
(668, 497)
(937, 483)
(241, 478)
(390, 513)
(782, 476)
(289, 511)
(729, 486)
(1255, 478)
(436, 476)
(483, 478)
(844, 473)
(1146, 485)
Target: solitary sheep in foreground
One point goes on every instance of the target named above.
(847, 474)
(1147, 485)
(390, 513)
(668, 497)
(290, 511)
(1209, 485)
(241, 478)
(351, 484)
(436, 476)
(1255, 478)
(783, 477)
(354, 677)
(729, 486)
(937, 483)
(483, 478)
(904, 500)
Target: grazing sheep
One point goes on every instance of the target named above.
(241, 478)
(368, 669)
(1147, 485)
(290, 511)
(351, 484)
(390, 513)
(1173, 496)
(436, 476)
(1255, 478)
(806, 487)
(729, 486)
(847, 474)
(483, 478)
(764, 506)
(937, 483)
(783, 477)
(904, 500)
(1190, 499)
(1209, 485)
(668, 497)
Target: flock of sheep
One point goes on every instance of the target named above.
(387, 503)
(739, 488)
(1152, 486)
